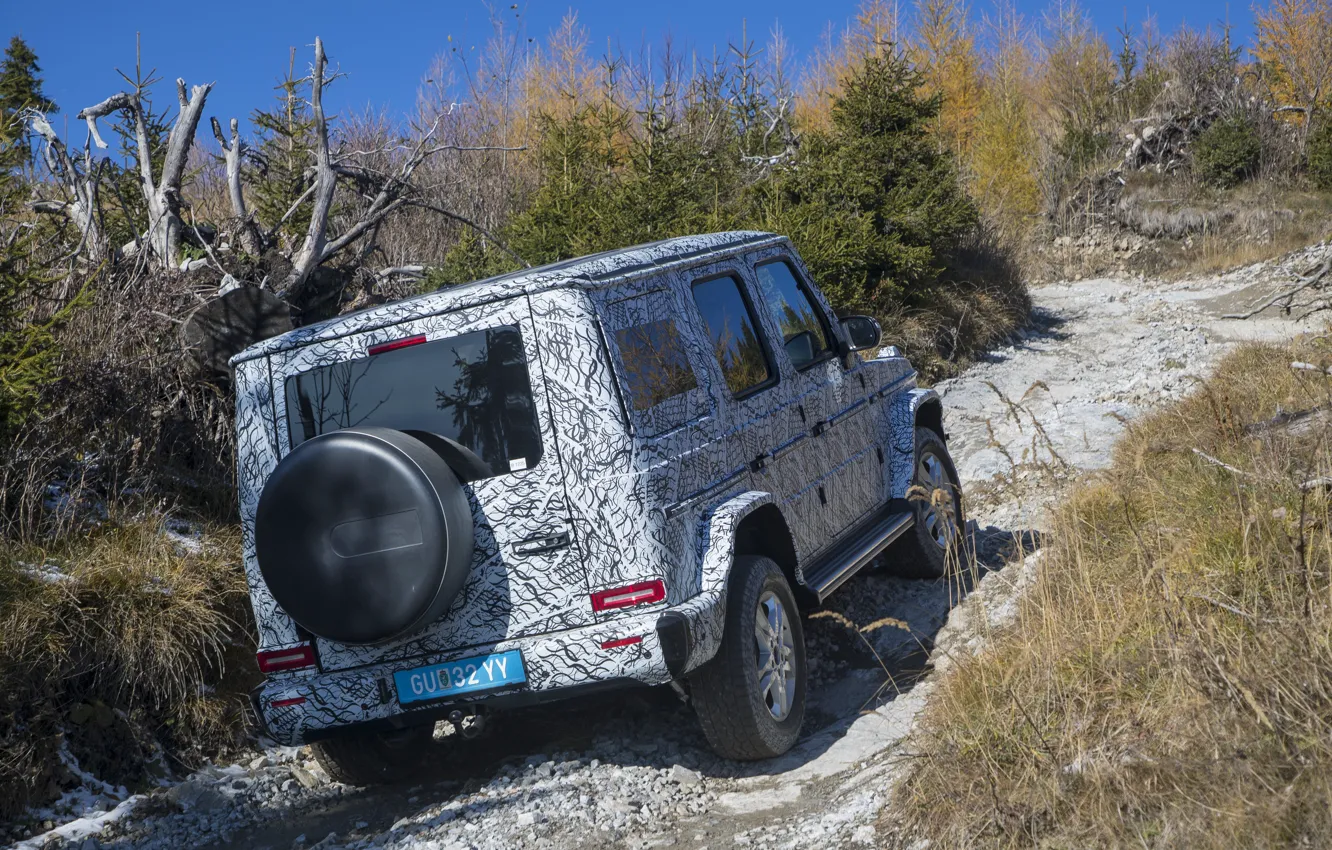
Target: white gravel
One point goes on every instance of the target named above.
(633, 770)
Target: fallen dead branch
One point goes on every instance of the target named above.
(1287, 296)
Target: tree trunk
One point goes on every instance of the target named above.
(311, 253)
(163, 194)
(79, 206)
(247, 232)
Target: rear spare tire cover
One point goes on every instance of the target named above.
(363, 535)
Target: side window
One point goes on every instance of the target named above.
(655, 364)
(733, 333)
(804, 332)
(660, 388)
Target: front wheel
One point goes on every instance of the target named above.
(937, 539)
(750, 697)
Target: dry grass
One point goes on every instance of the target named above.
(1168, 682)
(1175, 227)
(980, 301)
(118, 643)
(1216, 230)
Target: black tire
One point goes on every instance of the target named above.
(375, 758)
(918, 554)
(732, 707)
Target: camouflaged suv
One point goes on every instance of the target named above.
(633, 468)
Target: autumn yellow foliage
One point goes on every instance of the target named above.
(943, 49)
(1002, 161)
(1295, 48)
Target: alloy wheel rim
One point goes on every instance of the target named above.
(776, 655)
(939, 510)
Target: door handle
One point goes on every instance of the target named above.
(760, 463)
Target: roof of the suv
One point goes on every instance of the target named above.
(592, 270)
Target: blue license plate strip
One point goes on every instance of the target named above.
(464, 676)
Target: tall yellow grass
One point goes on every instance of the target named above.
(112, 644)
(1168, 682)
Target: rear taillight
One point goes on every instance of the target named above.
(397, 343)
(643, 593)
(291, 658)
(289, 701)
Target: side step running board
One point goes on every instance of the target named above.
(860, 547)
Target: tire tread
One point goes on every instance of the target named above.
(728, 713)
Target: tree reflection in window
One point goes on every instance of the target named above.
(491, 398)
(795, 313)
(731, 328)
(473, 388)
(656, 366)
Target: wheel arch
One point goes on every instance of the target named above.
(929, 414)
(908, 409)
(764, 531)
(746, 524)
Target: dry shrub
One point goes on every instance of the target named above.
(115, 644)
(132, 644)
(127, 419)
(1168, 682)
(1199, 229)
(979, 302)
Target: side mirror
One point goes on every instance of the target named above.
(862, 332)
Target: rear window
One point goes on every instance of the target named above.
(472, 388)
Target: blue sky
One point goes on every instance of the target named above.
(386, 47)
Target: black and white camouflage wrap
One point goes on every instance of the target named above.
(642, 495)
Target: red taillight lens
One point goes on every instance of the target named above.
(283, 703)
(291, 658)
(397, 343)
(615, 643)
(643, 593)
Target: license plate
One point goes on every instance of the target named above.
(460, 677)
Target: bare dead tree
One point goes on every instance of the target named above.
(162, 193)
(387, 189)
(1313, 279)
(247, 231)
(78, 183)
(314, 251)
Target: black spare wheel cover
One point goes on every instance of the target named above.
(363, 535)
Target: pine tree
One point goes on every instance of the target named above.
(875, 204)
(20, 88)
(285, 139)
(27, 346)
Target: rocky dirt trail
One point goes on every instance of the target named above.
(634, 771)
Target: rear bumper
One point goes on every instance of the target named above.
(671, 641)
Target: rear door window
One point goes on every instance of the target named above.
(804, 331)
(734, 335)
(473, 388)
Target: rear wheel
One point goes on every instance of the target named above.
(937, 540)
(375, 758)
(750, 697)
